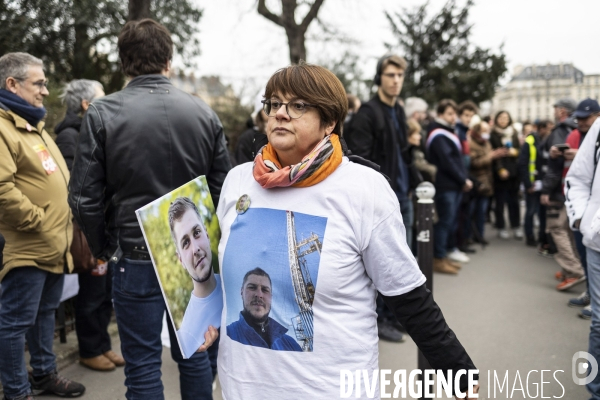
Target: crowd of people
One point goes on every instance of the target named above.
(483, 169)
(310, 148)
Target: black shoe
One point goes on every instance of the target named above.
(56, 385)
(531, 242)
(387, 332)
(481, 241)
(467, 249)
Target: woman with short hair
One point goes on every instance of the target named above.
(303, 259)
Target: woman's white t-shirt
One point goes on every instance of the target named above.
(336, 244)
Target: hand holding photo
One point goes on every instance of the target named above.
(182, 234)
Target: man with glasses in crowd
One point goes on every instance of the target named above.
(36, 221)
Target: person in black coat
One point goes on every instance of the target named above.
(245, 150)
(93, 305)
(506, 175)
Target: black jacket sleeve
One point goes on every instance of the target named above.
(425, 323)
(553, 177)
(360, 138)
(67, 144)
(221, 163)
(441, 146)
(88, 181)
(524, 166)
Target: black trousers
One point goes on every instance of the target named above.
(93, 311)
(510, 197)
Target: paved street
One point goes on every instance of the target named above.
(503, 308)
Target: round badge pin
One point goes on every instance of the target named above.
(242, 204)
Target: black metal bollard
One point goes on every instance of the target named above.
(425, 193)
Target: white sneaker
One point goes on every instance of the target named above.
(458, 256)
(503, 234)
(518, 233)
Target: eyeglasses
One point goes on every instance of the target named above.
(41, 84)
(295, 109)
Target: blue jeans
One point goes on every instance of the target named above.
(446, 205)
(408, 217)
(139, 306)
(30, 297)
(593, 261)
(532, 208)
(477, 212)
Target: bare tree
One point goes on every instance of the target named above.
(139, 9)
(295, 32)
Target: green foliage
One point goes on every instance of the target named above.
(175, 281)
(348, 70)
(233, 116)
(56, 110)
(442, 62)
(77, 38)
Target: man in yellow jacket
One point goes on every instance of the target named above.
(36, 222)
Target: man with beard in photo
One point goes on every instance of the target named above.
(194, 254)
(255, 327)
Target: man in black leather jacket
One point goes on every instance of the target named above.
(135, 146)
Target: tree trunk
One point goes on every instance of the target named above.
(296, 45)
(295, 32)
(81, 48)
(139, 9)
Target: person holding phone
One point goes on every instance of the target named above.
(571, 254)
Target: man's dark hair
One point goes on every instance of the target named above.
(542, 124)
(145, 47)
(444, 104)
(467, 105)
(256, 271)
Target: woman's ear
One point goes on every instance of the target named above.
(329, 128)
(85, 105)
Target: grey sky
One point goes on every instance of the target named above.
(245, 48)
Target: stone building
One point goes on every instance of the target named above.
(533, 90)
(208, 88)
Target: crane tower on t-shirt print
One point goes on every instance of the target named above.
(304, 288)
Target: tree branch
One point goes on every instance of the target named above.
(265, 12)
(312, 14)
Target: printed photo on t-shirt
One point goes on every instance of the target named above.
(270, 270)
(182, 235)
